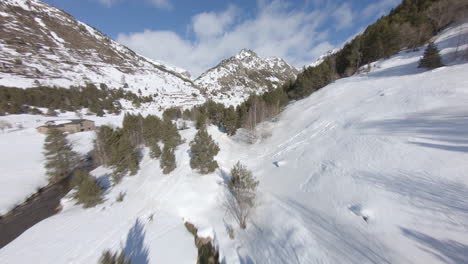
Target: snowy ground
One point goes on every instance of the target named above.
(371, 169)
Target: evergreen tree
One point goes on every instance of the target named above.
(108, 257)
(88, 192)
(155, 151)
(151, 130)
(125, 157)
(168, 160)
(104, 145)
(203, 150)
(230, 121)
(170, 135)
(431, 58)
(201, 120)
(60, 158)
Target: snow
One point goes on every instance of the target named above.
(228, 83)
(62, 66)
(370, 169)
(22, 171)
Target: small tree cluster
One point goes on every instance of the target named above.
(108, 257)
(61, 160)
(431, 58)
(203, 149)
(114, 148)
(256, 109)
(118, 147)
(242, 196)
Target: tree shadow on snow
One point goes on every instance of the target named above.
(293, 242)
(448, 128)
(447, 251)
(445, 197)
(135, 248)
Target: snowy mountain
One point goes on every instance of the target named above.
(42, 45)
(233, 79)
(322, 58)
(369, 169)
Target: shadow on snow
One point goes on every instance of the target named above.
(135, 248)
(447, 251)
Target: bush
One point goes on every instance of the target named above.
(203, 150)
(121, 197)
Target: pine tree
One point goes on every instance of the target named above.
(151, 129)
(60, 158)
(170, 135)
(108, 257)
(124, 157)
(242, 186)
(88, 193)
(168, 160)
(155, 150)
(230, 121)
(203, 150)
(201, 120)
(431, 58)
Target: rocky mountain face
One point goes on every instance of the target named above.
(232, 80)
(42, 45)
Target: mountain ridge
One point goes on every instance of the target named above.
(244, 73)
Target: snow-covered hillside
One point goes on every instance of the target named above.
(322, 58)
(42, 45)
(370, 169)
(234, 79)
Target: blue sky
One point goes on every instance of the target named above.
(196, 35)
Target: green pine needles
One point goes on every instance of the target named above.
(431, 58)
(203, 150)
(60, 158)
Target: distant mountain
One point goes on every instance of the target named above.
(233, 79)
(322, 58)
(42, 45)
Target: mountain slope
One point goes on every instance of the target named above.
(42, 45)
(233, 79)
(369, 169)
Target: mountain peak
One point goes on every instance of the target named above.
(244, 53)
(234, 79)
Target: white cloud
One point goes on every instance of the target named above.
(211, 24)
(275, 30)
(379, 8)
(343, 16)
(107, 3)
(162, 4)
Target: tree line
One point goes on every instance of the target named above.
(21, 101)
(408, 26)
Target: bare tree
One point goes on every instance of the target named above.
(4, 125)
(242, 194)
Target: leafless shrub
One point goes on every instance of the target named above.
(241, 198)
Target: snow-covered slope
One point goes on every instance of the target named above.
(42, 45)
(370, 169)
(234, 79)
(322, 58)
